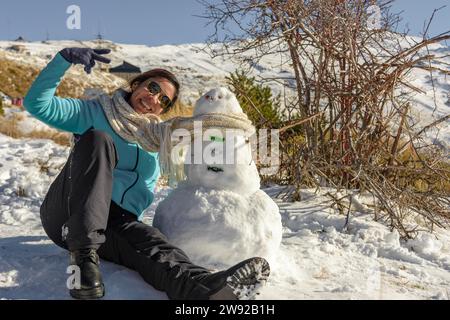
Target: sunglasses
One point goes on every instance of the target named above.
(154, 88)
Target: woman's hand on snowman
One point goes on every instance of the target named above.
(85, 56)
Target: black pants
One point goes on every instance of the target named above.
(78, 213)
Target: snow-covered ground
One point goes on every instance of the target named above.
(319, 258)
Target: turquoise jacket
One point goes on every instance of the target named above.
(137, 170)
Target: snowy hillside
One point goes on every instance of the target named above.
(319, 258)
(195, 68)
(198, 72)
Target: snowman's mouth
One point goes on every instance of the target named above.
(215, 169)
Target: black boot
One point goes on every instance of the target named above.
(90, 277)
(240, 282)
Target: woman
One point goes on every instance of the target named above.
(95, 205)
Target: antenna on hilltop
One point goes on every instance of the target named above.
(101, 44)
(99, 35)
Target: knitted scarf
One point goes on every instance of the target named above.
(154, 135)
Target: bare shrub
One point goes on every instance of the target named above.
(349, 84)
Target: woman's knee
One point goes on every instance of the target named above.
(53, 226)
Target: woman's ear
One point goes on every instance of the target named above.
(134, 86)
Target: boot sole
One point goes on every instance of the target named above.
(86, 294)
(247, 281)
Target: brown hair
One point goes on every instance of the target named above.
(158, 73)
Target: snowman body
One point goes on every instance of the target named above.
(219, 215)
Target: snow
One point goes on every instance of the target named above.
(25, 122)
(213, 102)
(320, 256)
(219, 215)
(219, 227)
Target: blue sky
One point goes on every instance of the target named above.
(153, 22)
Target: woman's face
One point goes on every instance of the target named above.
(143, 102)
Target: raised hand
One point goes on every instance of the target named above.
(85, 56)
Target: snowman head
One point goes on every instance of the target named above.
(223, 163)
(221, 160)
(218, 100)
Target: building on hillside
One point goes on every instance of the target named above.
(17, 102)
(20, 39)
(126, 71)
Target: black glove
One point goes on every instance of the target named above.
(85, 56)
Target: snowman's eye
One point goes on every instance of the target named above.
(217, 139)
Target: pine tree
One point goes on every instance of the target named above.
(256, 100)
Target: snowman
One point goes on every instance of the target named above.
(218, 214)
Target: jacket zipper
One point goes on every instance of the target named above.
(65, 231)
(137, 176)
